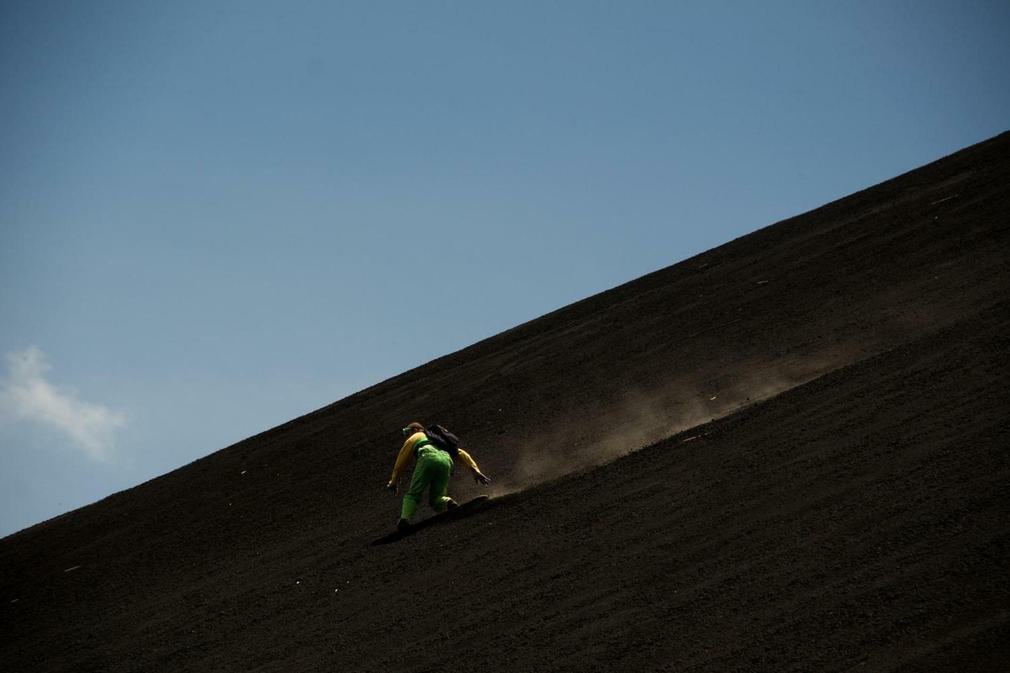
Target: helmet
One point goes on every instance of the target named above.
(411, 428)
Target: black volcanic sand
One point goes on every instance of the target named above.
(789, 453)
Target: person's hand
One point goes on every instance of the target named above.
(391, 487)
(481, 478)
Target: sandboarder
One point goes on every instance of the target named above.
(434, 453)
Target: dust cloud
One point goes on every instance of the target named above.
(642, 418)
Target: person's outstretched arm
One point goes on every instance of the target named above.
(472, 464)
(403, 458)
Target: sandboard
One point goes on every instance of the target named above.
(464, 510)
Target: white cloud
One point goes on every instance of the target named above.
(26, 395)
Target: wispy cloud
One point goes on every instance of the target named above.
(27, 395)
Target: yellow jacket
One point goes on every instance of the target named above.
(407, 450)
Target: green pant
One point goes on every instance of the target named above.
(433, 469)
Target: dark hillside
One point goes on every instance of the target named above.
(823, 483)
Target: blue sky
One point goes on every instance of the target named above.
(214, 216)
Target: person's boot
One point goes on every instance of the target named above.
(402, 526)
(450, 505)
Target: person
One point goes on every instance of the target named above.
(432, 470)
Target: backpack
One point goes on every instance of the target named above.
(443, 439)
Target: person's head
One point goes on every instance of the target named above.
(411, 428)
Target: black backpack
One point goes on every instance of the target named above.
(443, 439)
